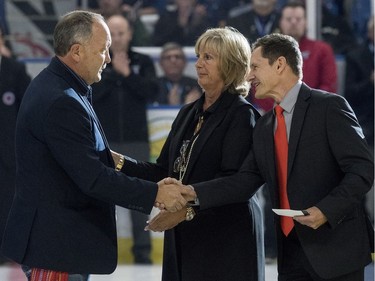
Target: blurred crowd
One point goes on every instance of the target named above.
(344, 23)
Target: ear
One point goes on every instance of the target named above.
(76, 52)
(281, 64)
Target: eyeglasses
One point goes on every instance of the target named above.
(170, 57)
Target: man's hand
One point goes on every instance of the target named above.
(121, 63)
(116, 156)
(174, 96)
(169, 196)
(315, 219)
(166, 220)
(192, 96)
(188, 191)
(173, 195)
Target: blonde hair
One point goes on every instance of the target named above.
(234, 54)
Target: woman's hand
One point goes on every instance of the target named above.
(166, 220)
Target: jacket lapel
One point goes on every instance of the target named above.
(182, 123)
(208, 127)
(299, 113)
(268, 145)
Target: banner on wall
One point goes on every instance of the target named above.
(160, 119)
(31, 23)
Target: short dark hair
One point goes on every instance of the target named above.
(277, 45)
(293, 4)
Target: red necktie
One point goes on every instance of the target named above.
(281, 153)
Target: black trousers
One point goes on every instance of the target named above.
(296, 267)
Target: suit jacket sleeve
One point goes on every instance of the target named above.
(350, 150)
(69, 136)
(235, 183)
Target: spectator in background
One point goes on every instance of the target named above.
(217, 11)
(13, 83)
(174, 87)
(5, 49)
(262, 19)
(143, 6)
(356, 13)
(319, 65)
(359, 83)
(107, 8)
(120, 99)
(87, 4)
(183, 25)
(336, 30)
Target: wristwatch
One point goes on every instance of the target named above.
(189, 213)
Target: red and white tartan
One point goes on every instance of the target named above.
(38, 274)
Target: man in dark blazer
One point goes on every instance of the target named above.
(329, 170)
(62, 221)
(13, 83)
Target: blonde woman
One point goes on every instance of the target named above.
(210, 138)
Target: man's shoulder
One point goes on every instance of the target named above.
(318, 97)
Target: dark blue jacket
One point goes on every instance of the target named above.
(63, 213)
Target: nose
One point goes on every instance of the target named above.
(293, 21)
(250, 76)
(198, 63)
(107, 58)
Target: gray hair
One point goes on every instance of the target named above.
(172, 46)
(74, 27)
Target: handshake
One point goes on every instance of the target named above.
(173, 195)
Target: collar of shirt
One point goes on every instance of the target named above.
(199, 106)
(86, 89)
(288, 104)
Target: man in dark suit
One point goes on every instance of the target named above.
(62, 221)
(329, 169)
(13, 83)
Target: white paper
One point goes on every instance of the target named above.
(288, 213)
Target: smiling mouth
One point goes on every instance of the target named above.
(255, 85)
